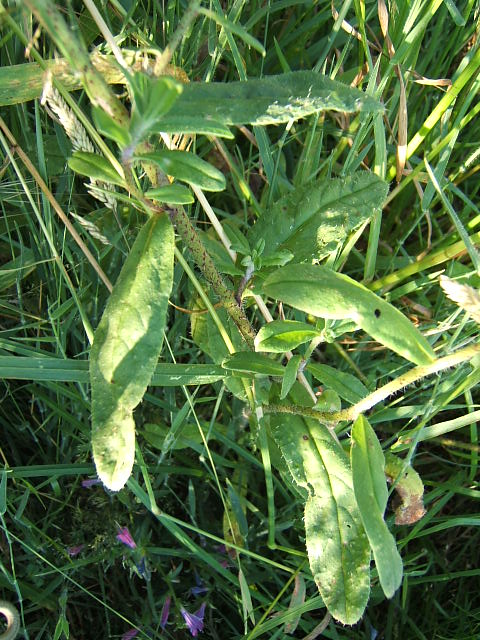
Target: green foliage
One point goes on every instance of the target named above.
(186, 167)
(337, 545)
(126, 347)
(371, 494)
(326, 294)
(281, 335)
(299, 167)
(313, 219)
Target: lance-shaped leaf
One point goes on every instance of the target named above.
(324, 293)
(95, 167)
(337, 545)
(313, 219)
(267, 100)
(370, 486)
(187, 167)
(253, 363)
(126, 347)
(283, 335)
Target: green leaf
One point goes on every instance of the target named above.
(95, 167)
(347, 386)
(126, 346)
(323, 293)
(171, 194)
(187, 167)
(110, 128)
(193, 124)
(284, 335)
(152, 98)
(371, 493)
(253, 363)
(337, 545)
(268, 100)
(290, 375)
(313, 219)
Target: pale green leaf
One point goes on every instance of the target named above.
(267, 100)
(313, 219)
(337, 545)
(326, 294)
(126, 347)
(370, 486)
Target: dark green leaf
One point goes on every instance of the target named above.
(110, 128)
(253, 363)
(347, 386)
(313, 219)
(171, 194)
(290, 375)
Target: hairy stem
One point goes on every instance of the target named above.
(412, 376)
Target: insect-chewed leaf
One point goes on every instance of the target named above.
(371, 492)
(313, 219)
(324, 293)
(337, 545)
(126, 347)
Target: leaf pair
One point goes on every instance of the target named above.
(343, 512)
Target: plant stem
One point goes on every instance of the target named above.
(412, 376)
(190, 237)
(100, 94)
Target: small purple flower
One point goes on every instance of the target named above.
(125, 536)
(86, 484)
(165, 612)
(74, 551)
(131, 633)
(194, 620)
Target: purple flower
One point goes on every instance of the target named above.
(131, 633)
(165, 612)
(74, 551)
(125, 536)
(86, 484)
(194, 620)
